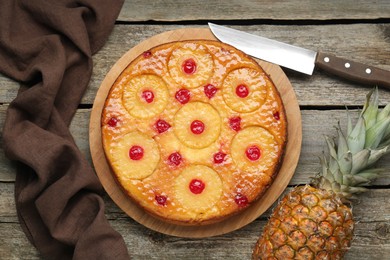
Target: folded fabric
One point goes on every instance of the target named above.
(48, 47)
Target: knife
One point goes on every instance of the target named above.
(300, 59)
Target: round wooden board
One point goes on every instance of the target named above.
(105, 175)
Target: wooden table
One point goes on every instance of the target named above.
(351, 29)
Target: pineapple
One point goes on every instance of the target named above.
(254, 149)
(314, 221)
(244, 90)
(198, 188)
(135, 156)
(191, 66)
(145, 96)
(197, 125)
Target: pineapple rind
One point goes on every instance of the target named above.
(310, 220)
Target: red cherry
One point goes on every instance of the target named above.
(162, 126)
(174, 158)
(197, 127)
(183, 95)
(136, 152)
(189, 66)
(277, 115)
(197, 186)
(242, 91)
(148, 96)
(210, 90)
(161, 200)
(235, 123)
(219, 157)
(253, 152)
(147, 54)
(112, 122)
(241, 200)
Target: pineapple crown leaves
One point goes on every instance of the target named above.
(350, 163)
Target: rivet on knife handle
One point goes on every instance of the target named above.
(355, 71)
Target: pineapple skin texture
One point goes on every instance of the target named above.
(308, 223)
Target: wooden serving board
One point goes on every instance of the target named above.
(105, 174)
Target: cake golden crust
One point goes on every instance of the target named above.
(194, 131)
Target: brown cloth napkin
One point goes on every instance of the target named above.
(47, 46)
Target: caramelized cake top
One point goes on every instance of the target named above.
(194, 131)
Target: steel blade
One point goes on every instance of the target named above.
(286, 55)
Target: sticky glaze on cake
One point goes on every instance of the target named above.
(194, 131)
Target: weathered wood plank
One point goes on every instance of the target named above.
(315, 125)
(372, 235)
(182, 10)
(348, 41)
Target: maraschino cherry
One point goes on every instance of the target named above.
(253, 152)
(210, 90)
(197, 186)
(148, 96)
(183, 96)
(112, 122)
(219, 157)
(277, 115)
(161, 200)
(161, 126)
(242, 91)
(235, 123)
(136, 152)
(175, 158)
(197, 127)
(189, 66)
(241, 200)
(147, 54)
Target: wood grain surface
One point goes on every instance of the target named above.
(112, 188)
(173, 10)
(344, 40)
(350, 29)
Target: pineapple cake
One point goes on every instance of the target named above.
(315, 221)
(194, 131)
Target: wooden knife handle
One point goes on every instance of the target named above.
(354, 71)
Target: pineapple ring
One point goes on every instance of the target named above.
(199, 74)
(195, 112)
(254, 85)
(254, 138)
(133, 91)
(197, 201)
(139, 168)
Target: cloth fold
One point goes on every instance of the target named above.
(48, 47)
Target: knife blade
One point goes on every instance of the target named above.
(300, 59)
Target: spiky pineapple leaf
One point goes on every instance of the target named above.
(370, 109)
(376, 132)
(333, 161)
(372, 174)
(355, 180)
(349, 164)
(357, 138)
(360, 160)
(345, 163)
(376, 154)
(384, 112)
(344, 155)
(342, 145)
